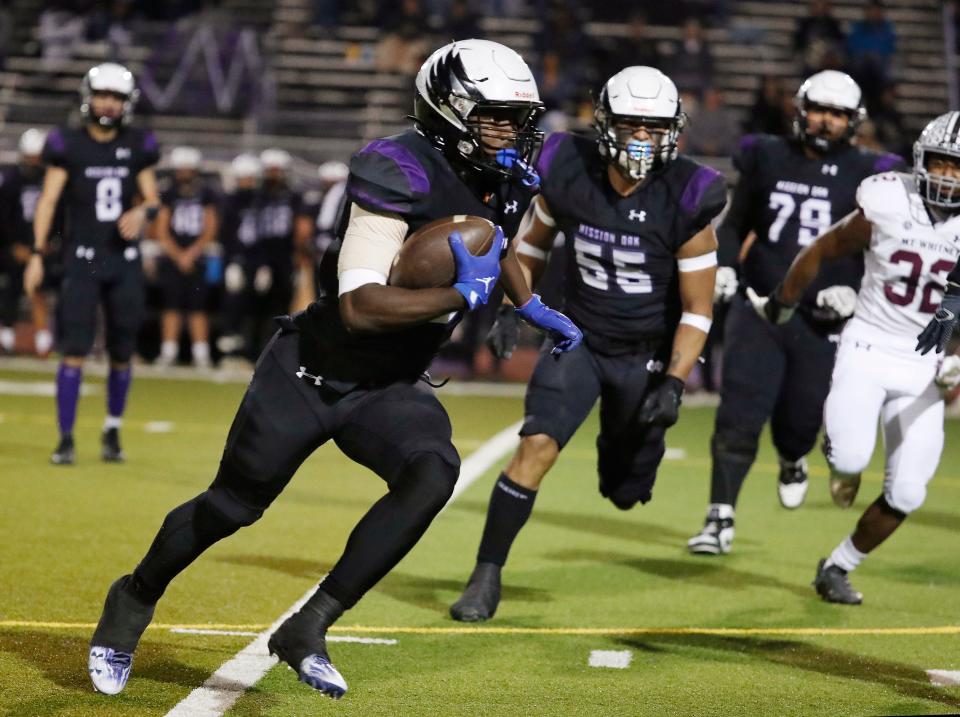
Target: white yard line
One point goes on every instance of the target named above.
(158, 426)
(614, 659)
(247, 667)
(41, 388)
(944, 678)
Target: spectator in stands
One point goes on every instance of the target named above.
(566, 71)
(461, 21)
(406, 37)
(59, 32)
(186, 224)
(819, 39)
(767, 115)
(112, 26)
(690, 63)
(634, 47)
(870, 49)
(891, 129)
(714, 132)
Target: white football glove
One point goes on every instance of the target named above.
(770, 308)
(948, 375)
(233, 278)
(726, 284)
(263, 280)
(841, 300)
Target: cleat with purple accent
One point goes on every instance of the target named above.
(109, 669)
(317, 672)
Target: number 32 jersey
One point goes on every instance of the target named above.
(101, 183)
(907, 263)
(621, 280)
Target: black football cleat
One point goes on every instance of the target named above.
(481, 596)
(65, 454)
(111, 452)
(301, 643)
(833, 585)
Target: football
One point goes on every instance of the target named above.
(425, 261)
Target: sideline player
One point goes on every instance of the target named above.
(790, 190)
(907, 228)
(186, 224)
(99, 170)
(349, 367)
(642, 258)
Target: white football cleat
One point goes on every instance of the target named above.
(792, 483)
(716, 538)
(322, 676)
(109, 670)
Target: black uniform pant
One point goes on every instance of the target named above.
(561, 395)
(400, 431)
(249, 308)
(11, 287)
(775, 373)
(113, 280)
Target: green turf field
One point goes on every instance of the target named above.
(582, 577)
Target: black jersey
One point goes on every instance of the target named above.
(20, 189)
(187, 204)
(789, 199)
(404, 175)
(101, 182)
(621, 280)
(277, 209)
(238, 223)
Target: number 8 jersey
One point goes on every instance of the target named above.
(907, 263)
(621, 278)
(101, 181)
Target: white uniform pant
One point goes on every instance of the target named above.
(870, 384)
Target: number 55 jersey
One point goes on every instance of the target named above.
(906, 265)
(621, 280)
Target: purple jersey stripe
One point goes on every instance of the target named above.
(56, 141)
(697, 187)
(887, 162)
(364, 197)
(150, 142)
(747, 141)
(550, 148)
(416, 175)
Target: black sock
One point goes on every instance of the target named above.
(733, 455)
(510, 506)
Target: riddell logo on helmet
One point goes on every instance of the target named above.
(523, 95)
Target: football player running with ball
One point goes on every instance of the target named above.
(906, 226)
(642, 258)
(349, 367)
(99, 170)
(790, 190)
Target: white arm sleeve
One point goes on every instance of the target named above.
(370, 244)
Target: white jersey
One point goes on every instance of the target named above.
(906, 265)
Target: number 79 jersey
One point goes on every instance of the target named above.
(101, 181)
(621, 279)
(906, 266)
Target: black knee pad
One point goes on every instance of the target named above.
(734, 445)
(430, 477)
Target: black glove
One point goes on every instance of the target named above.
(937, 333)
(661, 407)
(502, 337)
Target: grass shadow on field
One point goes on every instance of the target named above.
(62, 659)
(907, 680)
(427, 593)
(935, 519)
(606, 525)
(712, 574)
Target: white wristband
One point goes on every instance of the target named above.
(530, 250)
(543, 216)
(697, 321)
(697, 263)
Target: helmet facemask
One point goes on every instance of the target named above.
(937, 190)
(635, 157)
(819, 141)
(112, 79)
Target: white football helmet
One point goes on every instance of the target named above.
(639, 95)
(468, 79)
(275, 159)
(31, 143)
(828, 88)
(245, 166)
(109, 77)
(939, 137)
(332, 172)
(185, 158)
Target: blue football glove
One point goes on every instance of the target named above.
(565, 334)
(521, 170)
(477, 275)
(944, 322)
